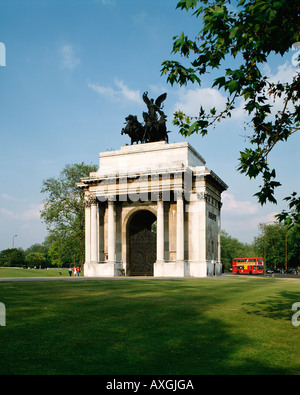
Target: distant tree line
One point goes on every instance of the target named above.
(51, 253)
(64, 246)
(35, 256)
(278, 244)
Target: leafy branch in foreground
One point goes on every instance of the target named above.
(248, 33)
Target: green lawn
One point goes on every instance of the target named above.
(20, 272)
(151, 326)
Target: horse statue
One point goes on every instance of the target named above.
(134, 129)
(155, 120)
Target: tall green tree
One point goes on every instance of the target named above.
(41, 249)
(233, 248)
(63, 214)
(245, 32)
(35, 259)
(12, 257)
(280, 244)
(293, 246)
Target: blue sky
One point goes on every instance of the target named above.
(74, 70)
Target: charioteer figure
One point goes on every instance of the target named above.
(155, 122)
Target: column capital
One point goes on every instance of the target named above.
(111, 199)
(202, 195)
(179, 193)
(156, 196)
(89, 200)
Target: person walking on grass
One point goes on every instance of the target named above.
(70, 271)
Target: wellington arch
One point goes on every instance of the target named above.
(152, 209)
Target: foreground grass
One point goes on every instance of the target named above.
(186, 326)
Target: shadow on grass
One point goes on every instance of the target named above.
(277, 307)
(123, 328)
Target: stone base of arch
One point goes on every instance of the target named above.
(187, 269)
(171, 269)
(161, 269)
(103, 269)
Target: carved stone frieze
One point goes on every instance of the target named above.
(89, 200)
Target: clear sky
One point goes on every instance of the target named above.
(74, 69)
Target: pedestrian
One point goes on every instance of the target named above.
(74, 271)
(78, 271)
(70, 271)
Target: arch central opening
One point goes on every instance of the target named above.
(141, 232)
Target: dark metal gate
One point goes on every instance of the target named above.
(142, 253)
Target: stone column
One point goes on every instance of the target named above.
(180, 227)
(219, 233)
(202, 196)
(200, 267)
(160, 243)
(111, 235)
(87, 231)
(94, 230)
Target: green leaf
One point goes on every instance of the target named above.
(193, 128)
(233, 86)
(217, 10)
(221, 81)
(234, 32)
(187, 4)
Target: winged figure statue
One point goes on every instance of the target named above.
(154, 127)
(156, 106)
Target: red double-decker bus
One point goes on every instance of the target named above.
(248, 265)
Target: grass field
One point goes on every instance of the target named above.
(20, 272)
(150, 326)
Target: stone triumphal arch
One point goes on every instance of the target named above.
(152, 209)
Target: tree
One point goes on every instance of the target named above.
(233, 248)
(63, 213)
(293, 246)
(247, 32)
(41, 249)
(36, 259)
(55, 254)
(12, 257)
(280, 244)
